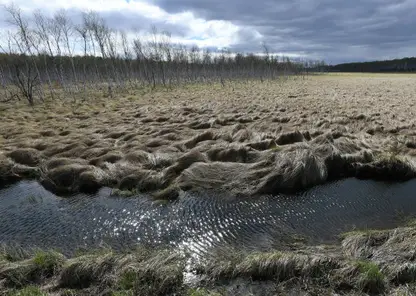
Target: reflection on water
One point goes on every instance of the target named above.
(32, 216)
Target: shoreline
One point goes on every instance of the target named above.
(282, 169)
(364, 262)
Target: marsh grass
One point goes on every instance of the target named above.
(365, 232)
(124, 193)
(48, 263)
(145, 271)
(370, 278)
(201, 292)
(127, 280)
(14, 253)
(411, 222)
(27, 291)
(122, 293)
(229, 146)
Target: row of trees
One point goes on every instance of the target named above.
(47, 55)
(397, 65)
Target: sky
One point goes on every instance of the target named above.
(332, 30)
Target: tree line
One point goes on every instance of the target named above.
(397, 65)
(46, 55)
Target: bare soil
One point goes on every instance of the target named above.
(246, 138)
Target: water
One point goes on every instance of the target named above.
(32, 216)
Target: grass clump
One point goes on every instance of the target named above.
(122, 293)
(27, 291)
(405, 273)
(261, 265)
(222, 264)
(370, 278)
(124, 193)
(169, 193)
(162, 274)
(201, 292)
(48, 262)
(69, 292)
(13, 253)
(366, 232)
(86, 270)
(411, 222)
(127, 280)
(387, 167)
(26, 156)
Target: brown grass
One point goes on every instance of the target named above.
(368, 262)
(252, 138)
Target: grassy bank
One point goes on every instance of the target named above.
(369, 262)
(244, 138)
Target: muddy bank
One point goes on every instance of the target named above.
(248, 139)
(370, 262)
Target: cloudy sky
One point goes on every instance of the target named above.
(333, 30)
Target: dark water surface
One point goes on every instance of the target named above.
(32, 216)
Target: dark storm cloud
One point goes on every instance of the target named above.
(335, 30)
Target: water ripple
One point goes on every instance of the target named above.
(32, 216)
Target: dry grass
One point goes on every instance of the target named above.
(386, 267)
(270, 137)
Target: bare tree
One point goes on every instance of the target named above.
(43, 34)
(26, 81)
(111, 59)
(24, 40)
(65, 27)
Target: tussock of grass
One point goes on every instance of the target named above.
(127, 280)
(411, 222)
(13, 253)
(86, 270)
(27, 291)
(290, 138)
(201, 292)
(48, 262)
(405, 273)
(122, 293)
(163, 270)
(64, 178)
(110, 157)
(205, 136)
(387, 166)
(124, 193)
(360, 244)
(362, 232)
(231, 154)
(6, 167)
(43, 265)
(169, 193)
(142, 181)
(89, 181)
(262, 266)
(370, 278)
(26, 156)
